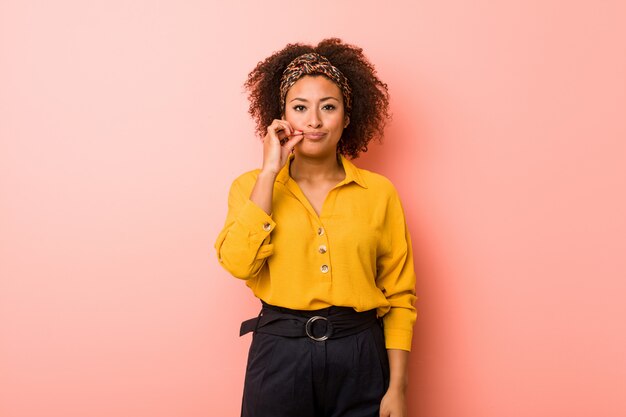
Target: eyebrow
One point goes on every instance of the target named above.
(306, 101)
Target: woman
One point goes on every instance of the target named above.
(322, 243)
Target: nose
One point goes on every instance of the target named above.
(315, 121)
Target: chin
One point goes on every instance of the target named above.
(314, 153)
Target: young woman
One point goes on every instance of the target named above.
(322, 243)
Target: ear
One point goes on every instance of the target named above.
(346, 121)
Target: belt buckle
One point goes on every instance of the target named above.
(309, 323)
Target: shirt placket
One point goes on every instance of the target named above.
(322, 247)
(322, 251)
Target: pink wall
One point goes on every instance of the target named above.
(122, 124)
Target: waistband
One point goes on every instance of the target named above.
(331, 322)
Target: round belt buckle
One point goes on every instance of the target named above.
(310, 322)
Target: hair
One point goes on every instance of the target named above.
(370, 98)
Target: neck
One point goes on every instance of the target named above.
(316, 169)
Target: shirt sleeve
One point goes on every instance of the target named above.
(243, 245)
(396, 278)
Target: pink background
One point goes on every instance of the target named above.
(122, 124)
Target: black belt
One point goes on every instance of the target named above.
(335, 322)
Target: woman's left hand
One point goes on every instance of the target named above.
(393, 404)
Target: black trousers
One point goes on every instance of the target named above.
(344, 376)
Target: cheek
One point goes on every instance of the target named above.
(336, 121)
(293, 118)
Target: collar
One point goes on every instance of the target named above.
(353, 174)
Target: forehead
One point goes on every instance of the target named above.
(313, 86)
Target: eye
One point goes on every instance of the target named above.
(299, 107)
(329, 107)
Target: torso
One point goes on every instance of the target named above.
(316, 191)
(316, 194)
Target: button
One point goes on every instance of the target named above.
(324, 269)
(267, 227)
(322, 249)
(320, 231)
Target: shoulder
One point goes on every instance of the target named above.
(382, 192)
(245, 182)
(247, 177)
(378, 183)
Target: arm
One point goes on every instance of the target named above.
(396, 279)
(393, 403)
(243, 245)
(263, 191)
(275, 157)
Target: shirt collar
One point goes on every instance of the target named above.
(352, 172)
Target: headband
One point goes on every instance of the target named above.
(311, 64)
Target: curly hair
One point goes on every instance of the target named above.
(370, 98)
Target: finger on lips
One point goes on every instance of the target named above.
(294, 135)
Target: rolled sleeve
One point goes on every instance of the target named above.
(396, 279)
(244, 243)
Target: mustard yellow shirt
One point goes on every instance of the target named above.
(356, 253)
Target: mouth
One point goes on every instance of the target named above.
(314, 135)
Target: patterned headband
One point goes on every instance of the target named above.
(311, 64)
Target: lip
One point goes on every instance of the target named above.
(314, 135)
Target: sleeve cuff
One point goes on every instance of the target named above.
(255, 220)
(398, 339)
(398, 326)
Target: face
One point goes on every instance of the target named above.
(314, 104)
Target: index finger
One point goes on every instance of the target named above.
(280, 125)
(293, 141)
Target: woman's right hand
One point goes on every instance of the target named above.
(278, 144)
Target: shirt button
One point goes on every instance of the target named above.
(267, 227)
(320, 231)
(322, 249)
(324, 269)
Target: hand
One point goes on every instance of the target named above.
(393, 404)
(278, 144)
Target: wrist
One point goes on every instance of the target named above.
(268, 174)
(398, 387)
